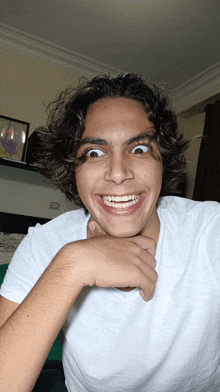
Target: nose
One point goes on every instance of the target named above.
(118, 170)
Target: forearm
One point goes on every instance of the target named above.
(27, 336)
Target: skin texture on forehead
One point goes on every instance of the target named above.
(118, 170)
(115, 106)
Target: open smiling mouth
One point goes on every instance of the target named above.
(121, 205)
(121, 202)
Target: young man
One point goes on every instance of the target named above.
(132, 278)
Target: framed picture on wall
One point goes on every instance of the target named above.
(14, 135)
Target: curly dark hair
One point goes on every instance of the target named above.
(60, 139)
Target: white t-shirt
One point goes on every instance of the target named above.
(117, 342)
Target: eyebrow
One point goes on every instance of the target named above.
(103, 142)
(140, 137)
(93, 140)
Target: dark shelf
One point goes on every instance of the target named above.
(17, 164)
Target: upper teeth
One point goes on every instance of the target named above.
(123, 198)
(114, 201)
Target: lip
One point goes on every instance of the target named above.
(121, 211)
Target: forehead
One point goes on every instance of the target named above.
(116, 115)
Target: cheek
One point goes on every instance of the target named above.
(86, 179)
(152, 174)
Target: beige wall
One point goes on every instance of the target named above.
(32, 200)
(25, 85)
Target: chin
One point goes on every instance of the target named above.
(120, 233)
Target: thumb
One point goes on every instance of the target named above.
(92, 226)
(94, 230)
(152, 247)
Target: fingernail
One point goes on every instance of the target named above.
(92, 226)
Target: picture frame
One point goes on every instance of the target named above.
(13, 138)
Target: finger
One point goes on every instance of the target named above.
(148, 270)
(146, 290)
(146, 257)
(146, 286)
(145, 243)
(145, 295)
(94, 230)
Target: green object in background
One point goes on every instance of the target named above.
(3, 269)
(56, 350)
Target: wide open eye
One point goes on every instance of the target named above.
(94, 153)
(140, 149)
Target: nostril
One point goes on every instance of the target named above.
(119, 172)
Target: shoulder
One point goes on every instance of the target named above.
(69, 222)
(50, 237)
(38, 248)
(186, 209)
(68, 219)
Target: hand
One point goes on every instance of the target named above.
(119, 262)
(94, 230)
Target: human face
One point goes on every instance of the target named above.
(118, 165)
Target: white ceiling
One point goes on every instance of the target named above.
(171, 41)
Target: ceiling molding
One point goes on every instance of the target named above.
(197, 89)
(47, 52)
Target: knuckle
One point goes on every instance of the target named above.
(155, 276)
(151, 260)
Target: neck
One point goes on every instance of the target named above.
(152, 229)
